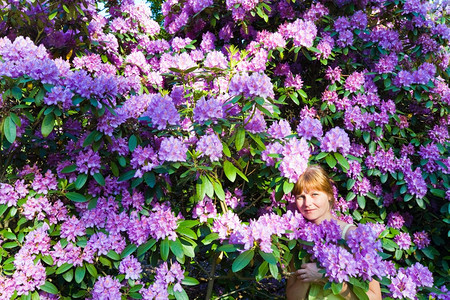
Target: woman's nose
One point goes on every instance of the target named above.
(307, 200)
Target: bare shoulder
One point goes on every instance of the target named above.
(346, 227)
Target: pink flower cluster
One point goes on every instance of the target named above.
(204, 209)
(211, 146)
(163, 278)
(295, 159)
(162, 111)
(336, 140)
(255, 85)
(309, 128)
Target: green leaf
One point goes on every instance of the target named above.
(366, 137)
(177, 248)
(142, 249)
(230, 170)
(321, 155)
(361, 201)
(80, 181)
(360, 293)
(79, 274)
(181, 295)
(359, 282)
(132, 143)
(113, 255)
(189, 250)
(228, 248)
(16, 92)
(342, 161)
(92, 270)
(92, 137)
(219, 190)
(9, 235)
(240, 139)
(314, 290)
(226, 150)
(210, 238)
(63, 268)
(273, 270)
(127, 176)
(76, 197)
(68, 276)
(165, 247)
(269, 257)
(389, 245)
(10, 245)
(262, 270)
(49, 288)
(438, 193)
(47, 124)
(331, 161)
(99, 178)
(52, 15)
(241, 174)
(9, 129)
(242, 260)
(288, 187)
(187, 232)
(189, 281)
(150, 179)
(128, 250)
(336, 287)
(69, 169)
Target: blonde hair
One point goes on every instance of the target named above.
(315, 178)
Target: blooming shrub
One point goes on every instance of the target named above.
(138, 160)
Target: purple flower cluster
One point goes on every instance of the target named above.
(273, 149)
(354, 81)
(336, 140)
(403, 240)
(143, 160)
(271, 40)
(106, 288)
(204, 209)
(163, 278)
(279, 130)
(172, 149)
(422, 75)
(8, 195)
(225, 224)
(88, 162)
(131, 267)
(211, 146)
(421, 239)
(309, 128)
(383, 160)
(395, 220)
(406, 281)
(295, 159)
(235, 200)
(257, 123)
(162, 111)
(300, 31)
(255, 85)
(205, 110)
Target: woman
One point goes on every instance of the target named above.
(315, 199)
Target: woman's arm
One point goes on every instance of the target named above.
(296, 289)
(374, 292)
(309, 273)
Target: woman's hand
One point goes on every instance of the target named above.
(309, 272)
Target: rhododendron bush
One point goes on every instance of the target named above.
(152, 156)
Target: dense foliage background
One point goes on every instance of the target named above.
(149, 150)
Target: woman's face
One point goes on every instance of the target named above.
(314, 206)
